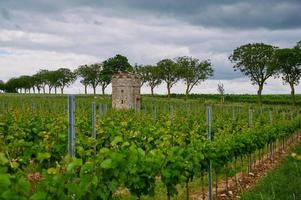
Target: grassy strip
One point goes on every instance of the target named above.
(281, 183)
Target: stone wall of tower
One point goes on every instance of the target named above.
(126, 91)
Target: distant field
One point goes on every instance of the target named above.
(284, 99)
(272, 99)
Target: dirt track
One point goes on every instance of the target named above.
(243, 181)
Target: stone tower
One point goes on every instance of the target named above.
(126, 91)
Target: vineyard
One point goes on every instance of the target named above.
(159, 152)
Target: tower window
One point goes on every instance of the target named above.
(121, 101)
(121, 91)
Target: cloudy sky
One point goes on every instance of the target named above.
(49, 34)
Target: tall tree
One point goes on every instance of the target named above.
(288, 62)
(105, 78)
(42, 77)
(169, 73)
(93, 76)
(90, 75)
(193, 71)
(12, 85)
(52, 78)
(118, 63)
(83, 72)
(142, 72)
(26, 83)
(65, 78)
(38, 82)
(255, 61)
(152, 77)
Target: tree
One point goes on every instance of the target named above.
(38, 82)
(42, 79)
(12, 85)
(192, 71)
(94, 72)
(25, 82)
(116, 64)
(221, 91)
(104, 78)
(152, 77)
(169, 73)
(65, 78)
(142, 72)
(91, 76)
(83, 72)
(255, 61)
(288, 62)
(52, 78)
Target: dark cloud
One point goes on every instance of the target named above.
(270, 14)
(143, 30)
(5, 14)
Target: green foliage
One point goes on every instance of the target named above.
(134, 151)
(169, 72)
(288, 62)
(193, 71)
(118, 63)
(256, 62)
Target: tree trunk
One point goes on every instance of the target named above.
(62, 90)
(94, 90)
(103, 89)
(293, 95)
(187, 189)
(44, 90)
(85, 89)
(50, 90)
(34, 90)
(187, 92)
(168, 90)
(259, 92)
(152, 91)
(55, 90)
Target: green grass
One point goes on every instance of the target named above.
(283, 183)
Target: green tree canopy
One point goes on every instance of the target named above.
(42, 79)
(288, 62)
(152, 76)
(12, 85)
(256, 62)
(83, 72)
(193, 71)
(65, 78)
(118, 63)
(169, 73)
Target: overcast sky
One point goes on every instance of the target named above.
(49, 34)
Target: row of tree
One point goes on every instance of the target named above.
(257, 61)
(191, 70)
(261, 61)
